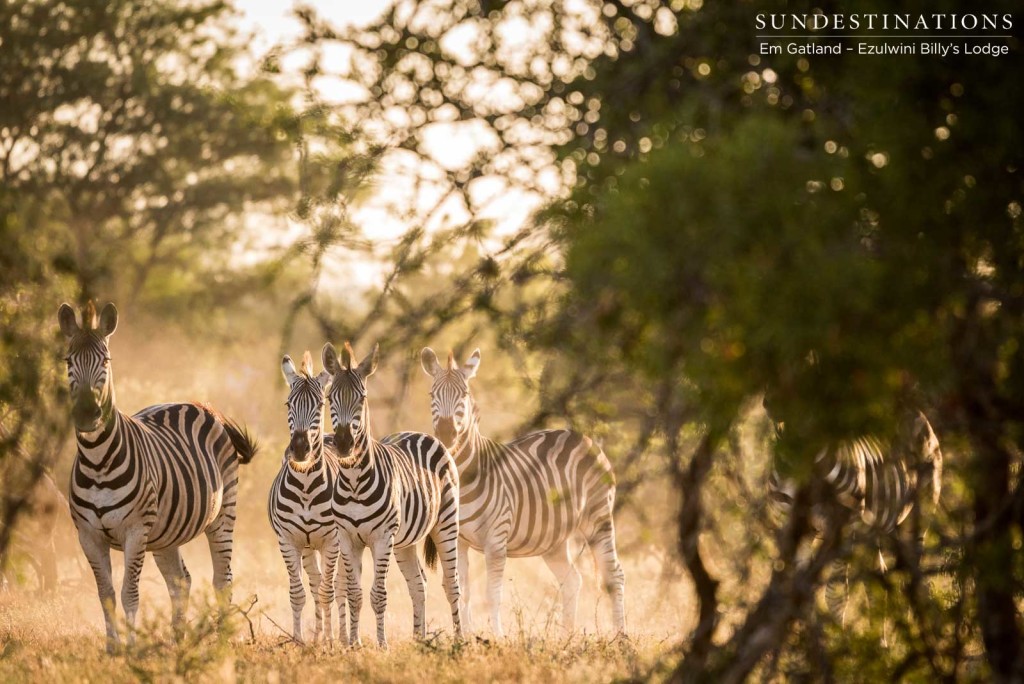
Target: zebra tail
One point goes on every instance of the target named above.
(430, 552)
(245, 445)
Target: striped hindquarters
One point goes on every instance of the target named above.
(555, 481)
(424, 472)
(865, 475)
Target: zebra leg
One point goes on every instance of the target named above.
(601, 541)
(179, 582)
(837, 590)
(312, 566)
(97, 552)
(329, 553)
(448, 552)
(352, 562)
(467, 620)
(296, 592)
(495, 555)
(409, 564)
(219, 536)
(381, 553)
(134, 557)
(569, 582)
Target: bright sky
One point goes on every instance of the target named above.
(273, 18)
(273, 23)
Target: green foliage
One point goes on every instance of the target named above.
(843, 232)
(128, 132)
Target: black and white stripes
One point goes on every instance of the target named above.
(148, 482)
(302, 496)
(526, 497)
(878, 480)
(390, 495)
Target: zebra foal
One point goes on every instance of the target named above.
(526, 497)
(147, 482)
(390, 495)
(878, 480)
(301, 498)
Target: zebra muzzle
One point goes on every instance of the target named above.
(86, 413)
(343, 441)
(446, 432)
(298, 448)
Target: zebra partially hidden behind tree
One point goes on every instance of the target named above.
(302, 496)
(879, 480)
(147, 482)
(525, 497)
(390, 495)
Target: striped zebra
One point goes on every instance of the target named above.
(301, 498)
(390, 495)
(525, 497)
(148, 482)
(878, 480)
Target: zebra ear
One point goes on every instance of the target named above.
(67, 320)
(369, 364)
(329, 356)
(468, 369)
(428, 359)
(324, 379)
(108, 320)
(288, 369)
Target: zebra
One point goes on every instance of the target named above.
(301, 498)
(878, 480)
(525, 497)
(390, 495)
(147, 482)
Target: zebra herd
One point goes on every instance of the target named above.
(157, 479)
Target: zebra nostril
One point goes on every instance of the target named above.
(343, 440)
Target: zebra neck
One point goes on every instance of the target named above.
(95, 448)
(470, 449)
(362, 459)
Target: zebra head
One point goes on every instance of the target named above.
(925, 447)
(307, 395)
(451, 404)
(89, 373)
(349, 413)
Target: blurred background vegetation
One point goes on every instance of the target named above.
(642, 222)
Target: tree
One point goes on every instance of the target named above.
(863, 214)
(131, 127)
(132, 147)
(842, 230)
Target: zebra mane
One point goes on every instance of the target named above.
(348, 359)
(89, 321)
(307, 364)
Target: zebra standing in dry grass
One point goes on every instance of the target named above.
(526, 497)
(301, 498)
(148, 482)
(878, 480)
(390, 495)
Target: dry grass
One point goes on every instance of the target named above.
(53, 640)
